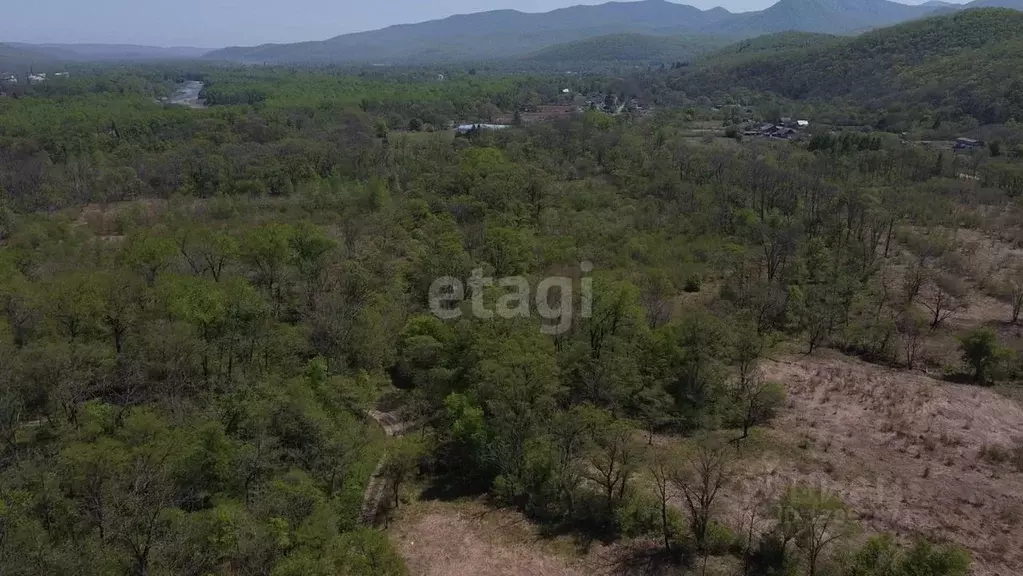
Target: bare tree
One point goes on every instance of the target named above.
(136, 517)
(614, 457)
(913, 282)
(752, 514)
(814, 520)
(911, 332)
(944, 296)
(699, 479)
(658, 299)
(661, 472)
(1011, 288)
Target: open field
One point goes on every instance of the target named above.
(468, 538)
(912, 455)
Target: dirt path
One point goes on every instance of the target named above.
(393, 427)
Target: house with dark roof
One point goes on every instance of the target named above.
(969, 144)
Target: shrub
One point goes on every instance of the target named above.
(982, 352)
(638, 516)
(882, 556)
(694, 283)
(722, 540)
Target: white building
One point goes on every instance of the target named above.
(466, 128)
(37, 78)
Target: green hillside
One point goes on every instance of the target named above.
(767, 45)
(638, 49)
(970, 62)
(827, 16)
(14, 59)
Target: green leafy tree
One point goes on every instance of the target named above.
(981, 350)
(149, 255)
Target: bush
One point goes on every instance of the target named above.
(882, 556)
(639, 515)
(982, 352)
(694, 283)
(769, 558)
(722, 540)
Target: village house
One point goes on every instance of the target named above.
(969, 144)
(464, 129)
(777, 132)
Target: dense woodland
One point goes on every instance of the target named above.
(198, 307)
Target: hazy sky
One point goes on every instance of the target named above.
(217, 23)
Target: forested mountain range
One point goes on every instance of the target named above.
(966, 63)
(643, 32)
(509, 33)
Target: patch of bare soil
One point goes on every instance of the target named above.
(987, 254)
(906, 452)
(471, 538)
(468, 538)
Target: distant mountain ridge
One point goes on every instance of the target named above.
(17, 60)
(110, 52)
(510, 33)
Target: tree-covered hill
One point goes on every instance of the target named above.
(766, 45)
(967, 63)
(636, 49)
(14, 59)
(828, 16)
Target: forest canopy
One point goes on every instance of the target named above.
(220, 357)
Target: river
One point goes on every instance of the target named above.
(188, 95)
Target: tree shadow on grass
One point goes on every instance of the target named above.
(450, 486)
(645, 558)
